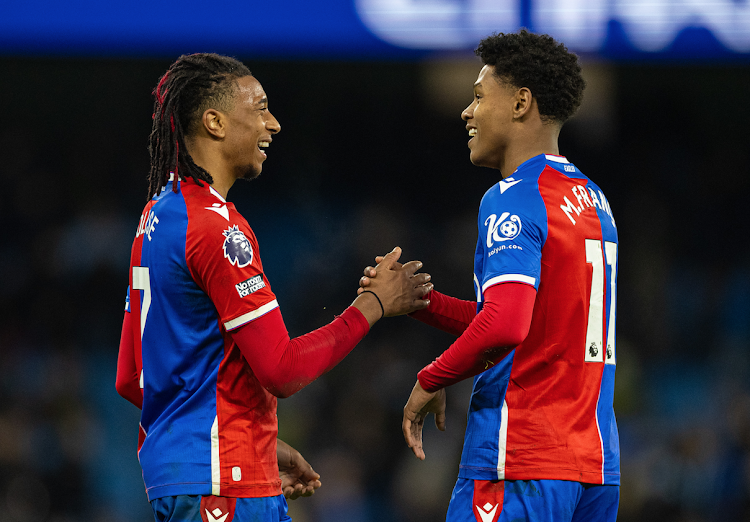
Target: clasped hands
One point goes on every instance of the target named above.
(421, 402)
(398, 288)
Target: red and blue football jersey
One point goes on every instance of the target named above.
(210, 427)
(545, 411)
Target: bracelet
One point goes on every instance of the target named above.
(379, 302)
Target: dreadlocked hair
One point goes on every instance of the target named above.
(193, 84)
(544, 66)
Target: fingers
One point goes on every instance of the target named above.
(301, 489)
(425, 289)
(412, 266)
(419, 304)
(390, 258)
(420, 279)
(370, 272)
(411, 426)
(413, 437)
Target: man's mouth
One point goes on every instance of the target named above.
(263, 145)
(472, 132)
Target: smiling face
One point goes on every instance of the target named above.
(489, 119)
(250, 127)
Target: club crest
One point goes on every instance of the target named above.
(237, 247)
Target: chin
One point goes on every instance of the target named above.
(251, 173)
(475, 159)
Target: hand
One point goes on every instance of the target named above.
(398, 284)
(364, 281)
(421, 403)
(298, 479)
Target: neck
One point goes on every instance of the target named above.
(527, 146)
(209, 159)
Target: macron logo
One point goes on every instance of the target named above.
(220, 209)
(488, 513)
(216, 516)
(507, 183)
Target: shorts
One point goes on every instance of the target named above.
(532, 500)
(197, 508)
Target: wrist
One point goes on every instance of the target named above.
(369, 306)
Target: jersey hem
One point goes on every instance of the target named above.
(572, 475)
(205, 489)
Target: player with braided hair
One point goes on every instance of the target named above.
(204, 351)
(541, 441)
(190, 86)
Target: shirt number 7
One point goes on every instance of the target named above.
(142, 281)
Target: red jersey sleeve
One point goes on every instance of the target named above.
(284, 366)
(447, 313)
(223, 257)
(127, 381)
(502, 324)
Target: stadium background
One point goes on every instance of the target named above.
(372, 155)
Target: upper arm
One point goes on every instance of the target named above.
(222, 256)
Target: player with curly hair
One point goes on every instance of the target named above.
(541, 441)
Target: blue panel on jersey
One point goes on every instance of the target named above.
(479, 456)
(179, 372)
(512, 228)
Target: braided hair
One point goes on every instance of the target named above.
(193, 84)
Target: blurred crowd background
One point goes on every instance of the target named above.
(373, 155)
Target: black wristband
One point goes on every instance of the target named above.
(379, 302)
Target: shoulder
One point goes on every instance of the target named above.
(518, 193)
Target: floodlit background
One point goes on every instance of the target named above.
(372, 155)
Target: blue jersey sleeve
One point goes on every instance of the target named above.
(512, 231)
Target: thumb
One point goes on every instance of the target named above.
(440, 420)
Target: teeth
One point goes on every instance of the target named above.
(472, 132)
(263, 144)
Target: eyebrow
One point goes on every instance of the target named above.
(263, 101)
(477, 83)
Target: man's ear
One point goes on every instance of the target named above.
(214, 122)
(522, 103)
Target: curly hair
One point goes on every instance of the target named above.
(192, 84)
(544, 66)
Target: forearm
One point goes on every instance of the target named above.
(502, 325)
(446, 313)
(284, 366)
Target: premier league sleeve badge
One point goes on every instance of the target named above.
(237, 248)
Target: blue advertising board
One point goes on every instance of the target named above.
(367, 29)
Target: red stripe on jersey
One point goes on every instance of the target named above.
(247, 429)
(553, 393)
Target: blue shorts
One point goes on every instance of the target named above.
(197, 508)
(532, 500)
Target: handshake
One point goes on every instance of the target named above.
(391, 288)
